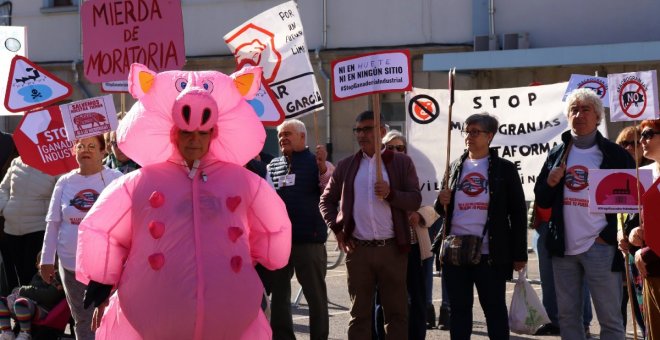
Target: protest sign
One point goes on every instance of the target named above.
(30, 86)
(633, 96)
(12, 43)
(89, 117)
(531, 121)
(274, 40)
(387, 71)
(116, 34)
(41, 141)
(596, 84)
(615, 190)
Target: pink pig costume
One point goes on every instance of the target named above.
(178, 243)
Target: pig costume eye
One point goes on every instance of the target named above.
(207, 85)
(181, 84)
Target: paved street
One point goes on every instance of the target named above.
(339, 305)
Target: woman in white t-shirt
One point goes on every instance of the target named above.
(484, 198)
(74, 194)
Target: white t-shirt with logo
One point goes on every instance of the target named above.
(471, 201)
(73, 196)
(581, 228)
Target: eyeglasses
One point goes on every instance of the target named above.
(626, 143)
(90, 147)
(472, 133)
(648, 134)
(365, 129)
(400, 148)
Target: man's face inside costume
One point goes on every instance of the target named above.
(193, 145)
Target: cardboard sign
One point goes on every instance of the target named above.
(274, 40)
(615, 191)
(651, 216)
(119, 33)
(12, 43)
(371, 73)
(30, 86)
(531, 121)
(633, 96)
(596, 84)
(89, 117)
(119, 86)
(41, 141)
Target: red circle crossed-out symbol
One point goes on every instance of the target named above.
(421, 107)
(599, 88)
(629, 98)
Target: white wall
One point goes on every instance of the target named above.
(365, 23)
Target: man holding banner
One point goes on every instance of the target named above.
(371, 225)
(583, 245)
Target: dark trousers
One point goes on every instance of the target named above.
(417, 295)
(308, 261)
(383, 267)
(19, 254)
(491, 288)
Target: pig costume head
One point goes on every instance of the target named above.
(191, 101)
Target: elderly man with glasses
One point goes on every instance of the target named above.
(370, 220)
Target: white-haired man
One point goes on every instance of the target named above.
(583, 245)
(299, 176)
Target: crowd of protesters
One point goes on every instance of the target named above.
(371, 201)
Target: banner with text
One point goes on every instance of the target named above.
(387, 71)
(531, 121)
(615, 190)
(116, 34)
(89, 117)
(274, 40)
(634, 96)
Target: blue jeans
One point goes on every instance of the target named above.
(491, 288)
(548, 281)
(595, 268)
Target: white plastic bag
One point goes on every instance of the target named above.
(526, 313)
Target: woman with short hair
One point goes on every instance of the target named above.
(484, 199)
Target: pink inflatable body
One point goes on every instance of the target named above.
(180, 245)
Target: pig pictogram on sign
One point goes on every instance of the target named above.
(256, 48)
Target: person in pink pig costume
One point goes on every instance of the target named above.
(179, 237)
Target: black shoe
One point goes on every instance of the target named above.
(430, 317)
(443, 320)
(547, 329)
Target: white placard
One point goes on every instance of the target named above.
(615, 190)
(89, 117)
(274, 40)
(371, 73)
(596, 84)
(12, 42)
(633, 96)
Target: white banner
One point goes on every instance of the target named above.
(634, 96)
(89, 117)
(274, 40)
(615, 190)
(531, 122)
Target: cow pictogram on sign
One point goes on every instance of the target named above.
(423, 109)
(30, 86)
(256, 48)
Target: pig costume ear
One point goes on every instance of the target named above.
(145, 133)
